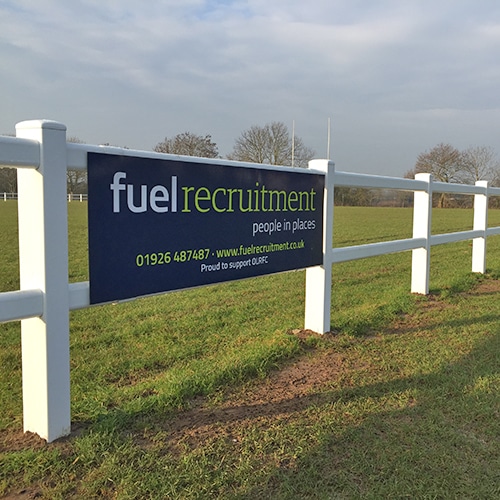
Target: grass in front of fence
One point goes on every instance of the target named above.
(405, 401)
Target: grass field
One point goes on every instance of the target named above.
(207, 394)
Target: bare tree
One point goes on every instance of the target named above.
(8, 180)
(8, 176)
(479, 163)
(189, 144)
(354, 197)
(444, 163)
(271, 144)
(76, 180)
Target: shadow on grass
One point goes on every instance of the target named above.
(153, 407)
(443, 442)
(426, 435)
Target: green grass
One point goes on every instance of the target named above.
(411, 411)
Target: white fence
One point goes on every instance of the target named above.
(41, 154)
(71, 196)
(78, 197)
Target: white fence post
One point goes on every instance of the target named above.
(422, 220)
(319, 278)
(481, 224)
(43, 251)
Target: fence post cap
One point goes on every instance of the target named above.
(37, 124)
(323, 165)
(424, 176)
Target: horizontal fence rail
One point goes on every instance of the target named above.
(42, 156)
(17, 152)
(71, 196)
(345, 254)
(78, 197)
(8, 196)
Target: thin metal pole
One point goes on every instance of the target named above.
(328, 142)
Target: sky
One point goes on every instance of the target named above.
(394, 77)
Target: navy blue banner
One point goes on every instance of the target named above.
(160, 225)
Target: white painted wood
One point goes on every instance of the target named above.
(24, 304)
(20, 304)
(15, 152)
(43, 252)
(441, 239)
(492, 231)
(449, 187)
(480, 224)
(345, 254)
(377, 181)
(422, 218)
(319, 278)
(79, 295)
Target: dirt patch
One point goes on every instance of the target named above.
(292, 389)
(486, 287)
(26, 494)
(284, 392)
(17, 441)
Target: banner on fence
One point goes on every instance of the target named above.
(159, 225)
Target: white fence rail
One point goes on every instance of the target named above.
(71, 196)
(78, 197)
(8, 196)
(318, 280)
(42, 156)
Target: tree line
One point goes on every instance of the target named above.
(446, 164)
(273, 144)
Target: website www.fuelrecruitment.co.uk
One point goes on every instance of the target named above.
(243, 250)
